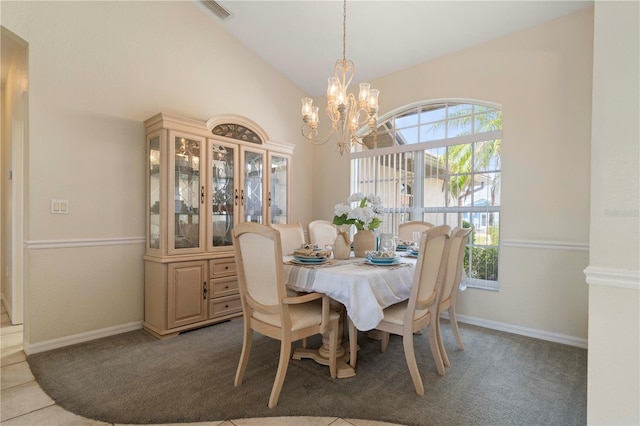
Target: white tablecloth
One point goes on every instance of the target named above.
(365, 290)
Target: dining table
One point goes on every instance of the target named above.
(359, 288)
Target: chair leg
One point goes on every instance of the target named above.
(410, 356)
(283, 364)
(454, 326)
(353, 344)
(384, 341)
(247, 339)
(333, 347)
(435, 349)
(443, 351)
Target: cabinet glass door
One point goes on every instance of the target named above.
(188, 193)
(154, 193)
(278, 181)
(224, 194)
(252, 194)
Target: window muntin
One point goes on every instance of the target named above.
(440, 162)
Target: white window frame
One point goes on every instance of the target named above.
(366, 161)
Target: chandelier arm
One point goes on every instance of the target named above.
(333, 113)
(360, 138)
(350, 70)
(317, 141)
(343, 72)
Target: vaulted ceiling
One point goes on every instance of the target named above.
(303, 39)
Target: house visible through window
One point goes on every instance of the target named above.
(439, 162)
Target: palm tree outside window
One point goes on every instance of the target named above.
(440, 162)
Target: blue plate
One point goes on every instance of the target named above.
(310, 259)
(298, 262)
(383, 260)
(394, 262)
(401, 247)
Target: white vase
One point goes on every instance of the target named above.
(342, 244)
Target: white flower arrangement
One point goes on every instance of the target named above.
(366, 215)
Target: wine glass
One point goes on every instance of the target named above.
(387, 243)
(416, 239)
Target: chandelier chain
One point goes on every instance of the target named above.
(344, 31)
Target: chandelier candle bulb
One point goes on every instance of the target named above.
(373, 100)
(307, 104)
(364, 94)
(341, 97)
(332, 90)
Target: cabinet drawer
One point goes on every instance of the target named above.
(224, 286)
(224, 306)
(222, 267)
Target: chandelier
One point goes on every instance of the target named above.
(343, 109)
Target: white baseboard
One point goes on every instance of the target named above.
(81, 337)
(7, 307)
(523, 331)
(493, 325)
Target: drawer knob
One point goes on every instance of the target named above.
(226, 306)
(226, 286)
(226, 267)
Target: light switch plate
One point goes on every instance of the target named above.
(59, 206)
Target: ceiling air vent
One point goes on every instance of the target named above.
(217, 9)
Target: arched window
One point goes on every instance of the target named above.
(448, 152)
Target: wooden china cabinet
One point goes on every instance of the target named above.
(202, 179)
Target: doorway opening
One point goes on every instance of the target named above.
(13, 169)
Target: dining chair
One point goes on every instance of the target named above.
(268, 309)
(291, 236)
(322, 233)
(450, 286)
(421, 309)
(406, 230)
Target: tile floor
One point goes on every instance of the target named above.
(22, 402)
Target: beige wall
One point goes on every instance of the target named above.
(542, 79)
(97, 71)
(614, 261)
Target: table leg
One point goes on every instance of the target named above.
(321, 354)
